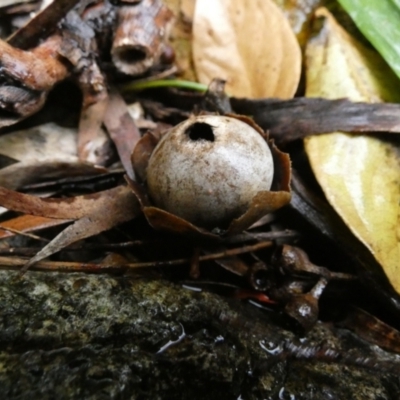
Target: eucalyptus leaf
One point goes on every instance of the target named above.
(379, 21)
(248, 43)
(359, 175)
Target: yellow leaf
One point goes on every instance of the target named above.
(360, 175)
(250, 44)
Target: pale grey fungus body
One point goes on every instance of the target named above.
(208, 169)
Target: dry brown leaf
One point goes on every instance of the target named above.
(359, 175)
(20, 174)
(122, 129)
(250, 44)
(234, 264)
(68, 208)
(121, 207)
(28, 223)
(142, 153)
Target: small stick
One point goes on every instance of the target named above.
(248, 236)
(31, 251)
(69, 266)
(26, 234)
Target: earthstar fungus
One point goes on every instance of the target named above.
(210, 175)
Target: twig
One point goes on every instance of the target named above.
(29, 235)
(31, 251)
(248, 236)
(16, 262)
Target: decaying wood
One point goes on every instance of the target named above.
(39, 69)
(78, 42)
(28, 76)
(138, 41)
(288, 120)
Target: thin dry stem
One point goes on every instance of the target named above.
(15, 263)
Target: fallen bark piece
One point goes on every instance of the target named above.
(79, 47)
(139, 39)
(92, 140)
(293, 119)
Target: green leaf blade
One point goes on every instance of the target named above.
(379, 21)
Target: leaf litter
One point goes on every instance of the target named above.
(80, 46)
(363, 169)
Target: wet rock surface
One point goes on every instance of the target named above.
(70, 336)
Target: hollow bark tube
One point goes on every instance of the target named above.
(139, 38)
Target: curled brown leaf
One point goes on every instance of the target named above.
(250, 44)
